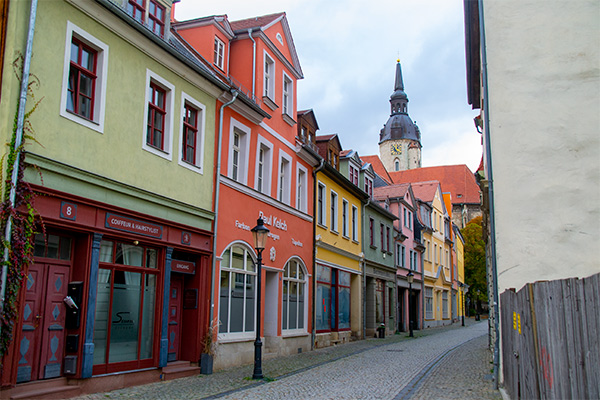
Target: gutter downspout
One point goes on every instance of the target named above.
(217, 187)
(18, 141)
(253, 63)
(364, 273)
(490, 177)
(314, 280)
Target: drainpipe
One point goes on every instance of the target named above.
(490, 177)
(364, 272)
(253, 62)
(314, 281)
(216, 206)
(18, 141)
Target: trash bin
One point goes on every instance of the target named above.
(381, 331)
(477, 317)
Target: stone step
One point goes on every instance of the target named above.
(51, 392)
(179, 369)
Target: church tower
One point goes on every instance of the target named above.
(400, 138)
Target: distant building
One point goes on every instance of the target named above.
(400, 138)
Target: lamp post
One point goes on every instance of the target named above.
(259, 233)
(410, 278)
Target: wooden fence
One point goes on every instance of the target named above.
(550, 339)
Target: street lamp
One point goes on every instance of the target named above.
(410, 277)
(259, 234)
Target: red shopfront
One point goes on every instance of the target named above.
(139, 285)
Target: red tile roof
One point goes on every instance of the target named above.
(377, 167)
(344, 153)
(425, 191)
(255, 22)
(456, 179)
(391, 191)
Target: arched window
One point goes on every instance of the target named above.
(397, 165)
(237, 291)
(294, 296)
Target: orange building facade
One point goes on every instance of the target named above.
(262, 172)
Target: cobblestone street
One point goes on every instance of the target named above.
(441, 363)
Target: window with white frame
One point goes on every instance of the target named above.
(294, 300)
(353, 175)
(445, 304)
(239, 138)
(237, 292)
(191, 140)
(264, 161)
(345, 218)
(288, 95)
(415, 261)
(159, 115)
(284, 178)
(219, 53)
(321, 204)
(334, 211)
(354, 223)
(301, 188)
(400, 255)
(435, 253)
(407, 218)
(428, 303)
(269, 77)
(83, 95)
(369, 186)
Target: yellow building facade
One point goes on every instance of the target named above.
(338, 277)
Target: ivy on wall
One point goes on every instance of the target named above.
(26, 221)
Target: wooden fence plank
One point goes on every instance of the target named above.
(591, 309)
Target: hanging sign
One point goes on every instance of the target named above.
(185, 267)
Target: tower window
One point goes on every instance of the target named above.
(396, 165)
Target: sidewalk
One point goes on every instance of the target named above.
(235, 379)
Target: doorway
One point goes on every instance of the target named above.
(175, 307)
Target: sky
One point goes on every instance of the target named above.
(348, 51)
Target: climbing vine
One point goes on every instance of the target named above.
(26, 221)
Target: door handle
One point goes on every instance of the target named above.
(38, 316)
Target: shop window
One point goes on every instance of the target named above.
(294, 297)
(125, 307)
(428, 303)
(333, 299)
(379, 302)
(237, 293)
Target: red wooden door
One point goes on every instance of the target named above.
(175, 305)
(43, 328)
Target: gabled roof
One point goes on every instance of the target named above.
(264, 21)
(425, 191)
(309, 115)
(262, 24)
(219, 21)
(392, 191)
(330, 137)
(456, 179)
(378, 167)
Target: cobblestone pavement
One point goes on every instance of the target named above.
(440, 363)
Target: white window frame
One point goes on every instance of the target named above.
(169, 89)
(268, 77)
(354, 223)
(428, 304)
(198, 165)
(244, 335)
(322, 208)
(333, 217)
(101, 49)
(245, 138)
(288, 331)
(401, 250)
(263, 143)
(220, 53)
(301, 188)
(284, 193)
(345, 218)
(287, 98)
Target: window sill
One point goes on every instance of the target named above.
(293, 333)
(373, 247)
(290, 121)
(270, 103)
(322, 226)
(335, 232)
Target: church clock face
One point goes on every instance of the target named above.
(396, 149)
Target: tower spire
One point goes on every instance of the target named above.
(399, 85)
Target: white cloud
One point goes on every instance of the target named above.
(348, 50)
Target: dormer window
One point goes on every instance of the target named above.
(155, 18)
(219, 53)
(354, 175)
